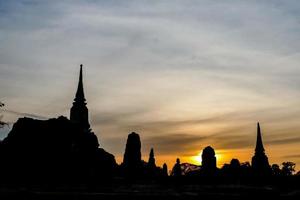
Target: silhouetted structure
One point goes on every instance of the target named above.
(54, 150)
(63, 151)
(151, 161)
(176, 171)
(165, 170)
(132, 162)
(232, 170)
(235, 167)
(260, 162)
(209, 161)
(151, 166)
(79, 112)
(151, 170)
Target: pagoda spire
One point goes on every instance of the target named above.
(260, 161)
(151, 161)
(79, 97)
(259, 144)
(79, 111)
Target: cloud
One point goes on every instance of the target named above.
(169, 68)
(284, 141)
(174, 144)
(25, 114)
(292, 156)
(187, 142)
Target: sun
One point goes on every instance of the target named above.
(219, 157)
(198, 158)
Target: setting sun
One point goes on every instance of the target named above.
(219, 157)
(198, 158)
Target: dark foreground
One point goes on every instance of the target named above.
(149, 191)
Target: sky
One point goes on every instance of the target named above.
(182, 74)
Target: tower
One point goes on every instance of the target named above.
(79, 112)
(209, 161)
(132, 161)
(176, 171)
(260, 162)
(151, 161)
(165, 170)
(132, 156)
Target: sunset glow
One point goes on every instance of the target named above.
(182, 75)
(197, 159)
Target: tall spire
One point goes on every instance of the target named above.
(151, 161)
(79, 98)
(260, 162)
(79, 111)
(259, 144)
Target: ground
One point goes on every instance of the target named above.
(148, 191)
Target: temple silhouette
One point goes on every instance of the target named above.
(62, 150)
(260, 162)
(79, 112)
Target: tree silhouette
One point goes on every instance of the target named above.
(2, 124)
(276, 171)
(288, 168)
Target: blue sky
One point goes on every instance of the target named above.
(196, 73)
